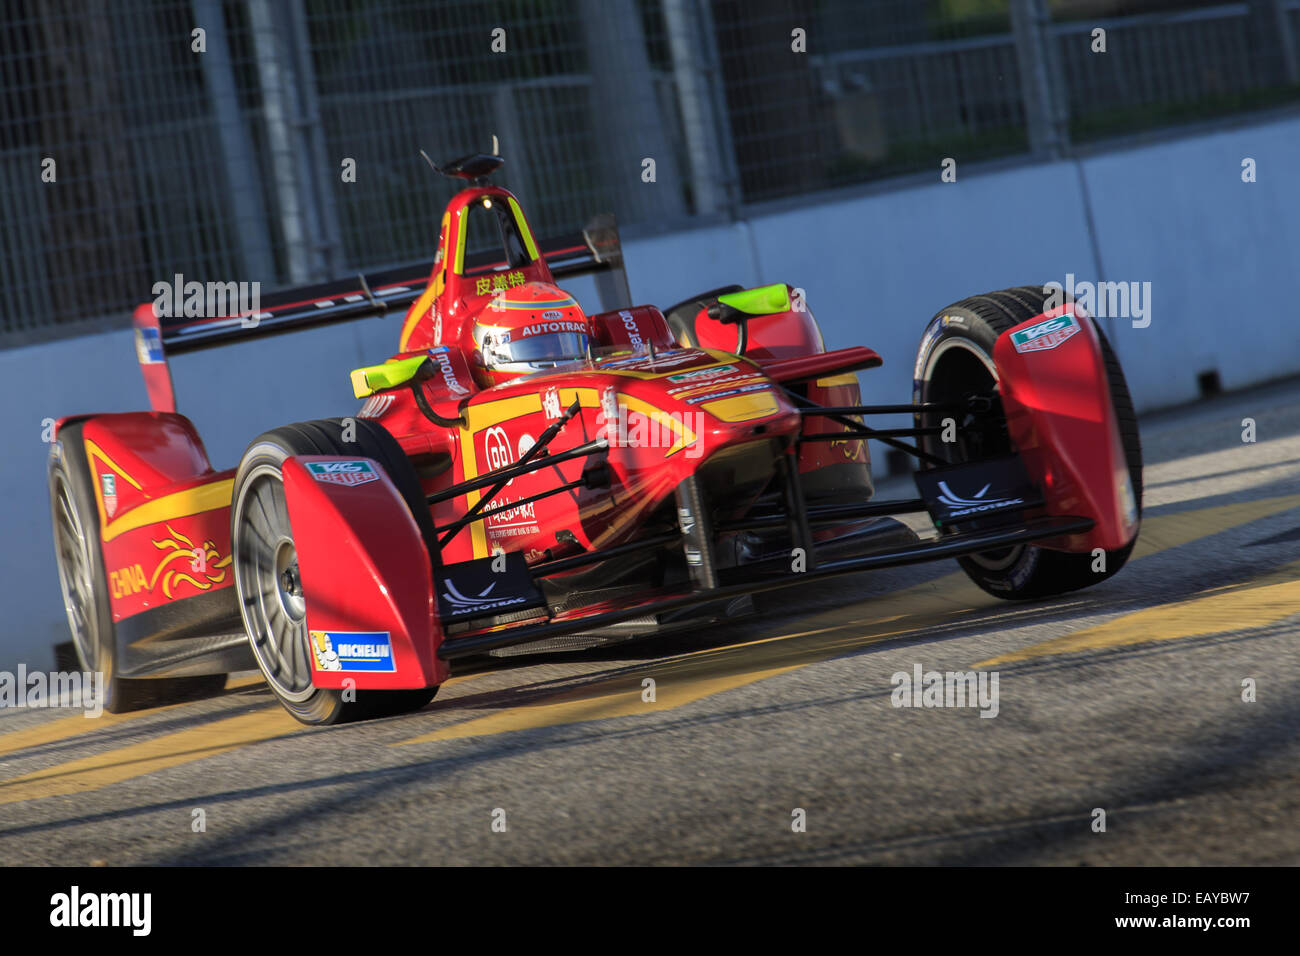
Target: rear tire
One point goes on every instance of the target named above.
(84, 585)
(956, 359)
(265, 561)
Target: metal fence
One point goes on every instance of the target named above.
(278, 140)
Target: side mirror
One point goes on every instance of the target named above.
(736, 308)
(379, 378)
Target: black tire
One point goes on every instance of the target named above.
(84, 585)
(681, 317)
(957, 358)
(275, 612)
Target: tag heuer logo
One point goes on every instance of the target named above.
(342, 472)
(1045, 335)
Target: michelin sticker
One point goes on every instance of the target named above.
(353, 651)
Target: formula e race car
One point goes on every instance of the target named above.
(525, 476)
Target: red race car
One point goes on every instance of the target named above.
(523, 475)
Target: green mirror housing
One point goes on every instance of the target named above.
(763, 300)
(378, 378)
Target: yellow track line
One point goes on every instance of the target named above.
(700, 674)
(79, 725)
(169, 750)
(1257, 604)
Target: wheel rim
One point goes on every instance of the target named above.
(75, 574)
(270, 586)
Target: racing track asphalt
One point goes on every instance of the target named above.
(1126, 697)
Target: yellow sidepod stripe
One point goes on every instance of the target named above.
(179, 504)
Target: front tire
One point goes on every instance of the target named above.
(271, 598)
(956, 360)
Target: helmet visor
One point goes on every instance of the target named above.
(550, 348)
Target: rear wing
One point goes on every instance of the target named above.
(595, 250)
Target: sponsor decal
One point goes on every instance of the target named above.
(854, 449)
(108, 485)
(342, 472)
(148, 346)
(551, 402)
(551, 315)
(127, 581)
(710, 396)
(973, 492)
(543, 328)
(958, 505)
(377, 406)
(485, 285)
(483, 602)
(642, 363)
(353, 651)
(610, 413)
(486, 586)
(740, 377)
(703, 373)
(496, 449)
(1045, 335)
(504, 513)
(442, 356)
(186, 563)
(183, 562)
(633, 330)
(932, 333)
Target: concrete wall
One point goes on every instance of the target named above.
(1219, 254)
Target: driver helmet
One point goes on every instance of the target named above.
(529, 328)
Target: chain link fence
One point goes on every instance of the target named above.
(279, 141)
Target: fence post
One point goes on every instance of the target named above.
(320, 170)
(1286, 36)
(1273, 39)
(700, 123)
(242, 178)
(626, 114)
(1044, 110)
(274, 74)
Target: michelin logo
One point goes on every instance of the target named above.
(353, 651)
